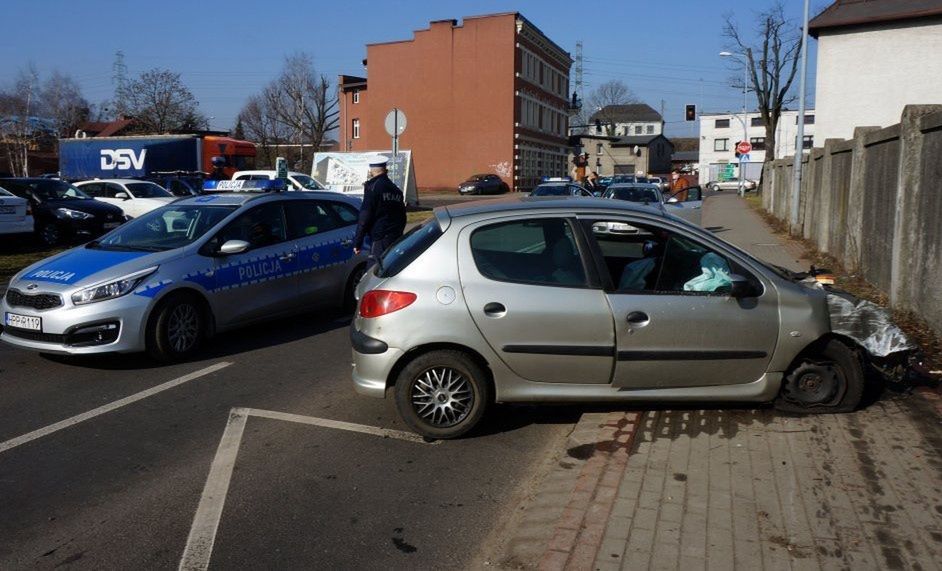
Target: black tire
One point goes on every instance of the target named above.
(349, 292)
(49, 234)
(829, 379)
(177, 328)
(475, 390)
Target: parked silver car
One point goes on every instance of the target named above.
(536, 300)
(167, 280)
(650, 194)
(731, 184)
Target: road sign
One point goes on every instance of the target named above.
(281, 167)
(744, 147)
(395, 122)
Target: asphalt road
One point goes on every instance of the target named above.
(120, 490)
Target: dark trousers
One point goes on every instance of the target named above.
(379, 246)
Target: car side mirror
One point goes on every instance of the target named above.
(741, 287)
(233, 247)
(122, 195)
(672, 200)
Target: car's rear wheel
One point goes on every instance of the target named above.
(442, 394)
(716, 188)
(177, 330)
(830, 379)
(349, 293)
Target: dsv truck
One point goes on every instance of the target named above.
(125, 157)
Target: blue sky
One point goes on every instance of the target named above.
(663, 50)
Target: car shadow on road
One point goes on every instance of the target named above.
(259, 336)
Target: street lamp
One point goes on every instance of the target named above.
(745, 132)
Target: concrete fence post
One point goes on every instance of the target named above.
(909, 188)
(826, 189)
(853, 225)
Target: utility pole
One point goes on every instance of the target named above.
(119, 79)
(800, 134)
(578, 89)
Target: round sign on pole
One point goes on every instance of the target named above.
(744, 147)
(395, 122)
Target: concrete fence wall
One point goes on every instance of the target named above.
(874, 202)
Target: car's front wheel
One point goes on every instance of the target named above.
(716, 188)
(442, 394)
(177, 329)
(50, 234)
(829, 379)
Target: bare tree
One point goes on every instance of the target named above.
(159, 102)
(299, 107)
(772, 62)
(604, 97)
(262, 128)
(21, 129)
(61, 101)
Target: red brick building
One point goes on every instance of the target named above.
(486, 96)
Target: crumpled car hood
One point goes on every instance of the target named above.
(866, 323)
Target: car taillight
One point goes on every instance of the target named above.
(380, 302)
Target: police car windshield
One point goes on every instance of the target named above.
(632, 194)
(147, 190)
(307, 182)
(164, 228)
(551, 190)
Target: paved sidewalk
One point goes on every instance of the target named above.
(742, 489)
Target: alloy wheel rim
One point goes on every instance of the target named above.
(183, 327)
(50, 234)
(442, 397)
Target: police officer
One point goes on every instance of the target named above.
(219, 164)
(383, 214)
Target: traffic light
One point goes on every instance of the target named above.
(690, 113)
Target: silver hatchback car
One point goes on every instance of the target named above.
(582, 300)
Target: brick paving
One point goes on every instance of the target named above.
(742, 488)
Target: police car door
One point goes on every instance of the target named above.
(261, 281)
(324, 232)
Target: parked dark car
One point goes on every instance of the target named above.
(62, 211)
(483, 184)
(179, 184)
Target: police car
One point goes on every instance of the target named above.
(169, 279)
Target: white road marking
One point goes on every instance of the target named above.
(199, 544)
(72, 421)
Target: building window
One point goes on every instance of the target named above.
(809, 119)
(807, 142)
(721, 145)
(756, 122)
(721, 124)
(650, 129)
(598, 148)
(356, 96)
(356, 129)
(638, 129)
(758, 143)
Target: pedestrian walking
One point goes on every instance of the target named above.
(383, 214)
(679, 186)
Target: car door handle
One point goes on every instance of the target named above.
(287, 257)
(638, 318)
(495, 309)
(346, 243)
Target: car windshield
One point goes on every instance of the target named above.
(164, 228)
(632, 194)
(551, 190)
(147, 190)
(4, 192)
(48, 189)
(307, 182)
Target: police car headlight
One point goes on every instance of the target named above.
(73, 214)
(111, 290)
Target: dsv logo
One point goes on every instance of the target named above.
(122, 159)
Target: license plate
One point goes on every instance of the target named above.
(7, 210)
(110, 225)
(24, 322)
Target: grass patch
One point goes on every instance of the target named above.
(417, 216)
(14, 260)
(914, 326)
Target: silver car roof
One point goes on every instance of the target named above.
(547, 203)
(240, 198)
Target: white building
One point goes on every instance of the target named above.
(875, 57)
(630, 120)
(720, 132)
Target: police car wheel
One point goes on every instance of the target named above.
(349, 294)
(177, 330)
